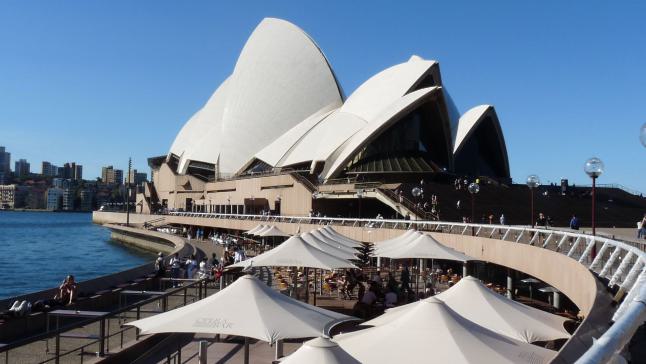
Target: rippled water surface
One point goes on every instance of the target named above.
(38, 249)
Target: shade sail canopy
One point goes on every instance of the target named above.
(319, 234)
(313, 241)
(340, 237)
(320, 351)
(423, 247)
(330, 241)
(475, 302)
(405, 238)
(432, 331)
(255, 229)
(247, 308)
(295, 252)
(272, 231)
(264, 228)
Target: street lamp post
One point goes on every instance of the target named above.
(474, 188)
(593, 168)
(532, 182)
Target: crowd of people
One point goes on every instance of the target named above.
(383, 290)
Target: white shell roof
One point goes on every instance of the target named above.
(468, 123)
(280, 79)
(202, 143)
(275, 152)
(385, 87)
(320, 135)
(386, 118)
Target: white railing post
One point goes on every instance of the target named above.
(588, 250)
(504, 237)
(634, 271)
(547, 240)
(561, 242)
(574, 246)
(610, 262)
(599, 256)
(622, 267)
(520, 236)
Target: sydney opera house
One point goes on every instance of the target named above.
(280, 148)
(281, 126)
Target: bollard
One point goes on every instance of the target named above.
(202, 352)
(246, 350)
(279, 349)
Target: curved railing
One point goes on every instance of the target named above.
(621, 263)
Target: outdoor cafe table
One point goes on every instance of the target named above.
(80, 314)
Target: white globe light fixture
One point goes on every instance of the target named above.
(532, 182)
(593, 167)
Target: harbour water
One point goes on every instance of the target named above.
(38, 249)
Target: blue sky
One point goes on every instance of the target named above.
(98, 81)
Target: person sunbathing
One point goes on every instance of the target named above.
(67, 291)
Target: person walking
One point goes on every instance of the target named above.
(175, 265)
(574, 223)
(160, 268)
(191, 264)
(503, 219)
(642, 229)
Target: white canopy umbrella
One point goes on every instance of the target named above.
(272, 231)
(431, 331)
(255, 229)
(331, 241)
(328, 238)
(320, 351)
(295, 252)
(475, 302)
(246, 308)
(265, 228)
(403, 239)
(423, 247)
(326, 230)
(324, 246)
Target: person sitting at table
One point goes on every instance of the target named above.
(367, 300)
(67, 291)
(390, 299)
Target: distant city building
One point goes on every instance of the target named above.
(72, 171)
(60, 183)
(137, 178)
(5, 166)
(87, 199)
(68, 199)
(78, 172)
(49, 170)
(109, 175)
(36, 196)
(21, 168)
(54, 199)
(7, 196)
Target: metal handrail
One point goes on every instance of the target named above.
(55, 333)
(622, 263)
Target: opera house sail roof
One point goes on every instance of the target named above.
(283, 109)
